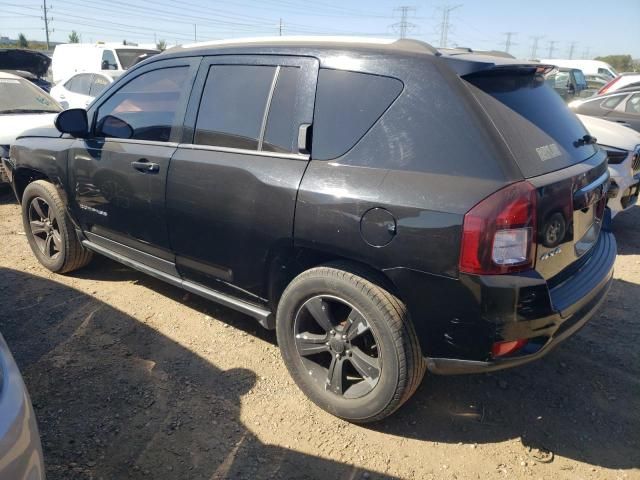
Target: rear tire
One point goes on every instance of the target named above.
(348, 343)
(49, 230)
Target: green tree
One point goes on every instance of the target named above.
(622, 63)
(22, 41)
(161, 45)
(74, 37)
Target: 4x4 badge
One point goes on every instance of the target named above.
(551, 253)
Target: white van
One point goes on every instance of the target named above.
(70, 58)
(588, 67)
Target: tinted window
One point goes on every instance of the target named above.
(82, 84)
(612, 102)
(98, 85)
(535, 122)
(144, 108)
(109, 60)
(282, 130)
(348, 104)
(232, 106)
(633, 104)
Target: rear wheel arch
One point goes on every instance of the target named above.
(287, 264)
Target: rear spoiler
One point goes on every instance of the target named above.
(468, 64)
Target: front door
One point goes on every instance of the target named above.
(118, 175)
(232, 185)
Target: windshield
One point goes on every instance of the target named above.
(21, 96)
(128, 56)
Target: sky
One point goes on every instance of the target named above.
(593, 28)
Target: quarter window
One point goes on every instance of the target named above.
(145, 108)
(348, 104)
(233, 105)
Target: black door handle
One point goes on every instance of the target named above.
(145, 166)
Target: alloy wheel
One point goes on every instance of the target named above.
(337, 346)
(44, 228)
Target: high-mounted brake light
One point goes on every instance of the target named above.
(608, 85)
(498, 233)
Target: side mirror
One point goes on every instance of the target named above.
(74, 122)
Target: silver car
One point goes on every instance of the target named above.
(20, 448)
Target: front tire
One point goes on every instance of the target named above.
(348, 343)
(49, 230)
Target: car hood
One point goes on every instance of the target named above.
(610, 133)
(12, 126)
(27, 60)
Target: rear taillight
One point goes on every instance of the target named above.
(608, 85)
(498, 233)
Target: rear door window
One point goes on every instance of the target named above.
(633, 104)
(612, 102)
(98, 85)
(233, 105)
(348, 104)
(536, 124)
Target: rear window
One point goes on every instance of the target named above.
(536, 124)
(348, 104)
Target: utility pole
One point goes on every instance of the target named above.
(403, 26)
(46, 21)
(572, 47)
(445, 25)
(534, 47)
(508, 43)
(552, 47)
(280, 27)
(195, 32)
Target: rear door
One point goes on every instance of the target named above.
(233, 183)
(118, 175)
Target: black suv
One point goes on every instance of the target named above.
(386, 207)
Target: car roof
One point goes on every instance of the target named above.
(462, 61)
(8, 75)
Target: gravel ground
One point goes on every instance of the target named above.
(132, 378)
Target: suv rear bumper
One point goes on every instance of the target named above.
(574, 302)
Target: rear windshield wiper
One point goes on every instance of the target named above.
(586, 140)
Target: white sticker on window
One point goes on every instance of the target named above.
(547, 152)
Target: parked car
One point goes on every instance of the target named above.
(70, 58)
(384, 206)
(622, 107)
(22, 106)
(588, 67)
(622, 145)
(80, 89)
(624, 80)
(29, 64)
(20, 447)
(568, 82)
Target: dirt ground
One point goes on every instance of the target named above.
(132, 378)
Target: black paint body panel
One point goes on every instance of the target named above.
(245, 223)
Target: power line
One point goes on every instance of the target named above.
(585, 53)
(572, 47)
(445, 25)
(46, 22)
(403, 26)
(508, 43)
(534, 46)
(552, 47)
